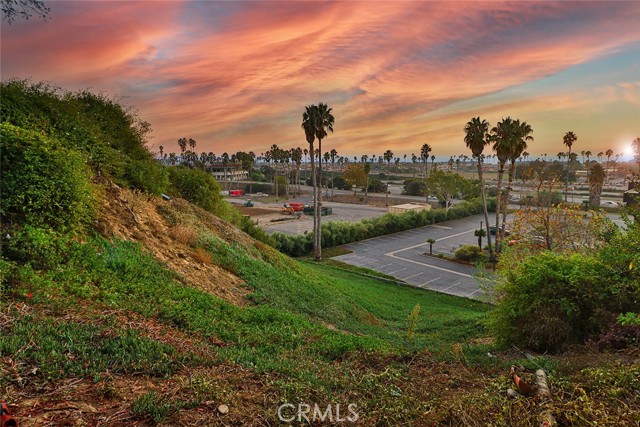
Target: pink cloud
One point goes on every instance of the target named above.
(237, 76)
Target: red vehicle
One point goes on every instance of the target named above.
(235, 193)
(297, 207)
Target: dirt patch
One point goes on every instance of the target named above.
(191, 398)
(169, 231)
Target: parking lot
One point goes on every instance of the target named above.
(400, 255)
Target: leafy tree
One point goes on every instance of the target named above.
(447, 186)
(24, 9)
(354, 174)
(476, 138)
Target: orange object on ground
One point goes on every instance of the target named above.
(524, 388)
(6, 420)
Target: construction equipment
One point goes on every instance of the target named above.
(287, 209)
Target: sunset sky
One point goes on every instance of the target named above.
(237, 75)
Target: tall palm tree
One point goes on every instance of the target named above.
(476, 137)
(596, 178)
(321, 120)
(424, 155)
(414, 158)
(523, 135)
(568, 140)
(388, 156)
(324, 124)
(309, 126)
(333, 154)
(503, 136)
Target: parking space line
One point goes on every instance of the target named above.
(455, 284)
(441, 226)
(413, 275)
(391, 273)
(432, 280)
(392, 255)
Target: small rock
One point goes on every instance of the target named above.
(512, 394)
(223, 409)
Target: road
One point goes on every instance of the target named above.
(400, 255)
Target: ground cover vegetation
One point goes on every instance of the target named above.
(105, 319)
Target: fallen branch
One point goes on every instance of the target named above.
(544, 395)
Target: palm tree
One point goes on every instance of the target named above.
(568, 140)
(182, 143)
(600, 156)
(523, 135)
(333, 155)
(424, 155)
(161, 150)
(319, 119)
(326, 157)
(309, 126)
(503, 136)
(388, 156)
(433, 159)
(476, 137)
(414, 158)
(596, 178)
(431, 241)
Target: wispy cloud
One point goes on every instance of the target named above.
(397, 74)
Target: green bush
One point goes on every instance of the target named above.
(148, 175)
(551, 300)
(110, 137)
(469, 253)
(196, 186)
(43, 183)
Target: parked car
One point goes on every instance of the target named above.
(492, 230)
(609, 204)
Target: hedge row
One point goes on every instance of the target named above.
(340, 233)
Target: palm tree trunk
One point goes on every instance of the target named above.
(566, 184)
(318, 231)
(486, 213)
(426, 190)
(316, 248)
(499, 203)
(366, 190)
(505, 208)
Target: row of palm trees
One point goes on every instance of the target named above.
(509, 138)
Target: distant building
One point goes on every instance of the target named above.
(229, 172)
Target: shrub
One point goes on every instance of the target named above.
(196, 186)
(469, 253)
(43, 183)
(550, 300)
(148, 175)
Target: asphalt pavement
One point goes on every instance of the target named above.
(400, 255)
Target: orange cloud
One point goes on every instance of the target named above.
(397, 74)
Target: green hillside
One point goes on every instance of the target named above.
(121, 308)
